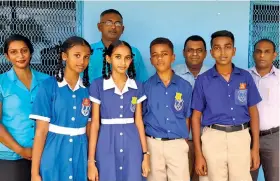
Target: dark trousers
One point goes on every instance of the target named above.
(15, 170)
(269, 157)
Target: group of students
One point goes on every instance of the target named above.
(97, 119)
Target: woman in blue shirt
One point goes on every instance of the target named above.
(18, 88)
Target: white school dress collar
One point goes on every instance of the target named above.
(77, 86)
(110, 84)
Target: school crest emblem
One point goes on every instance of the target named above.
(133, 104)
(86, 107)
(179, 102)
(241, 94)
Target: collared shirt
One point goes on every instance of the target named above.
(166, 108)
(223, 102)
(58, 103)
(16, 102)
(183, 71)
(96, 63)
(268, 87)
(116, 104)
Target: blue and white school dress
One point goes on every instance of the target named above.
(118, 150)
(67, 111)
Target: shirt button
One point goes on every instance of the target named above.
(70, 177)
(168, 131)
(121, 107)
(228, 95)
(121, 150)
(167, 119)
(70, 140)
(121, 97)
(73, 119)
(231, 108)
(121, 115)
(166, 105)
(166, 93)
(233, 119)
(70, 159)
(228, 85)
(120, 168)
(74, 96)
(74, 107)
(121, 133)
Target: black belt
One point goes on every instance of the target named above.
(229, 129)
(163, 139)
(269, 131)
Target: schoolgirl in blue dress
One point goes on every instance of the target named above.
(117, 145)
(62, 110)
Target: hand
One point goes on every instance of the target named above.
(146, 165)
(36, 178)
(25, 153)
(92, 172)
(200, 165)
(255, 159)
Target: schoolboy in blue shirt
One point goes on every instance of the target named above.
(225, 97)
(166, 116)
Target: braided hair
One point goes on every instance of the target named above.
(67, 44)
(106, 70)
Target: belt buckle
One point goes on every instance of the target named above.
(159, 139)
(228, 128)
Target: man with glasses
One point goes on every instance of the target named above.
(111, 28)
(194, 52)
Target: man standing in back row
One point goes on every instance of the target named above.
(194, 52)
(111, 28)
(266, 77)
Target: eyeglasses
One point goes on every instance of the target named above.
(110, 23)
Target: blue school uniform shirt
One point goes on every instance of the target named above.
(64, 156)
(166, 108)
(17, 102)
(96, 63)
(223, 102)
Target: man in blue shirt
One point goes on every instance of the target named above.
(194, 52)
(226, 98)
(111, 28)
(166, 116)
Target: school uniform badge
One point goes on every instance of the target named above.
(133, 104)
(179, 102)
(241, 94)
(86, 107)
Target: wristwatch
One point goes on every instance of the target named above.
(146, 153)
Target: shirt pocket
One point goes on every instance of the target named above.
(11, 101)
(178, 108)
(240, 97)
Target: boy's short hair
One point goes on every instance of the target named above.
(164, 41)
(222, 33)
